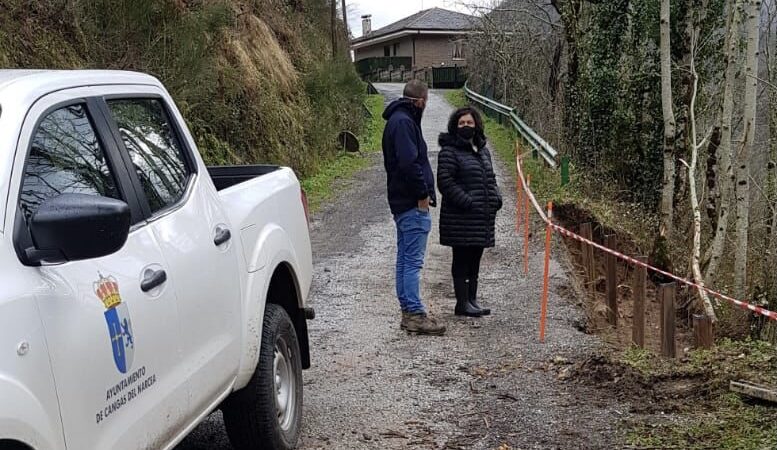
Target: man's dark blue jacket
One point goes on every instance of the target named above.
(405, 157)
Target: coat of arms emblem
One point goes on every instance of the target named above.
(118, 320)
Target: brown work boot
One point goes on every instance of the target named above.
(421, 324)
(405, 317)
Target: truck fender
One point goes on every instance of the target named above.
(276, 247)
(24, 419)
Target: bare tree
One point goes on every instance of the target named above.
(743, 156)
(695, 147)
(670, 130)
(516, 56)
(725, 176)
(771, 183)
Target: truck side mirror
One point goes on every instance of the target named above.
(72, 227)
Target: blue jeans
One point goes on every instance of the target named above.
(413, 229)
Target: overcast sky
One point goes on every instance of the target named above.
(385, 12)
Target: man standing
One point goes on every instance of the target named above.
(410, 194)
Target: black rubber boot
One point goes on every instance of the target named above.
(463, 306)
(473, 298)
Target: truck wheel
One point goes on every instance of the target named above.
(267, 413)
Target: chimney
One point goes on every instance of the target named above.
(366, 24)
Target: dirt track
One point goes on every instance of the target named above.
(487, 382)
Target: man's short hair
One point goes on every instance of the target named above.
(415, 89)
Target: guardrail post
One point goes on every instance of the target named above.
(546, 273)
(527, 222)
(612, 282)
(564, 170)
(667, 293)
(640, 286)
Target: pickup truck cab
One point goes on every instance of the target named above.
(139, 289)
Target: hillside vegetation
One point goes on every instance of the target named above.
(256, 80)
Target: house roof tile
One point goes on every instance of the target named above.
(433, 19)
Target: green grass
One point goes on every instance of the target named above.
(320, 186)
(731, 424)
(717, 419)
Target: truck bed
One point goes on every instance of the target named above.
(228, 176)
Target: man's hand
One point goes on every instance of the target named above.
(424, 204)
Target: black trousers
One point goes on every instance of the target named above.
(466, 262)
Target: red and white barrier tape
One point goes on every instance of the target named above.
(567, 233)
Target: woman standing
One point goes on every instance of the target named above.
(470, 201)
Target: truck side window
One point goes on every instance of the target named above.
(154, 149)
(65, 157)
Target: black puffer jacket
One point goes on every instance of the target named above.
(470, 195)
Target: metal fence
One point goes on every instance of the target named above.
(371, 65)
(539, 145)
(437, 77)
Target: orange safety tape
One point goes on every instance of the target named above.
(564, 232)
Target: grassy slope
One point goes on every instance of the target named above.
(253, 78)
(320, 187)
(715, 419)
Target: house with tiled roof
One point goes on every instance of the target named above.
(431, 38)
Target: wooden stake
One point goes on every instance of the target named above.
(702, 331)
(640, 286)
(546, 273)
(667, 294)
(588, 257)
(526, 229)
(612, 282)
(519, 196)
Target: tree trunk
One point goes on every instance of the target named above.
(334, 28)
(345, 19)
(725, 181)
(670, 131)
(706, 305)
(571, 11)
(770, 283)
(743, 158)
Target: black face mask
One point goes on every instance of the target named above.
(418, 113)
(466, 133)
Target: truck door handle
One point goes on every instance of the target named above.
(153, 279)
(222, 236)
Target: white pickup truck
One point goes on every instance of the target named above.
(139, 289)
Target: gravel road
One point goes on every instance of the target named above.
(486, 383)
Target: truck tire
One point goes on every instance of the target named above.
(267, 413)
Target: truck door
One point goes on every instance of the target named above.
(186, 217)
(110, 322)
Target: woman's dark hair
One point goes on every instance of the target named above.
(453, 122)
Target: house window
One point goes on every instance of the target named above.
(387, 51)
(396, 49)
(458, 50)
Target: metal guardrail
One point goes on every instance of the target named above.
(538, 144)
